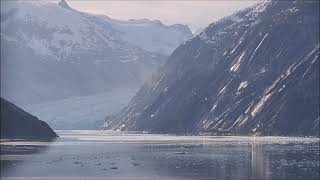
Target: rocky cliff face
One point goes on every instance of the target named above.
(255, 72)
(16, 123)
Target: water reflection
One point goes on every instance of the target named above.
(259, 161)
(246, 159)
(122, 156)
(14, 151)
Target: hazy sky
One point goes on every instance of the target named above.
(193, 13)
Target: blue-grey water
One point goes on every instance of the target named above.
(113, 155)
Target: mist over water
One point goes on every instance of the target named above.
(86, 112)
(81, 154)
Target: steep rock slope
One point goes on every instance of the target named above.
(16, 123)
(255, 72)
(54, 51)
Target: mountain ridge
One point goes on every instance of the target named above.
(254, 72)
(17, 123)
(157, 37)
(55, 41)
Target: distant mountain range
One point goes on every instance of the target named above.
(51, 51)
(16, 123)
(254, 72)
(152, 36)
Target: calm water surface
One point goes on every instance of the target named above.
(108, 155)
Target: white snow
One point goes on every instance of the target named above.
(263, 70)
(225, 53)
(223, 90)
(242, 85)
(241, 120)
(235, 66)
(269, 91)
(122, 126)
(157, 83)
(214, 107)
(260, 104)
(283, 86)
(67, 30)
(239, 42)
(255, 129)
(254, 52)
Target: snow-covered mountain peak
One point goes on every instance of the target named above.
(56, 31)
(74, 27)
(53, 42)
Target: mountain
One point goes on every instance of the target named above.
(16, 123)
(150, 35)
(254, 72)
(50, 51)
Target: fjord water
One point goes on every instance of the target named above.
(114, 155)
